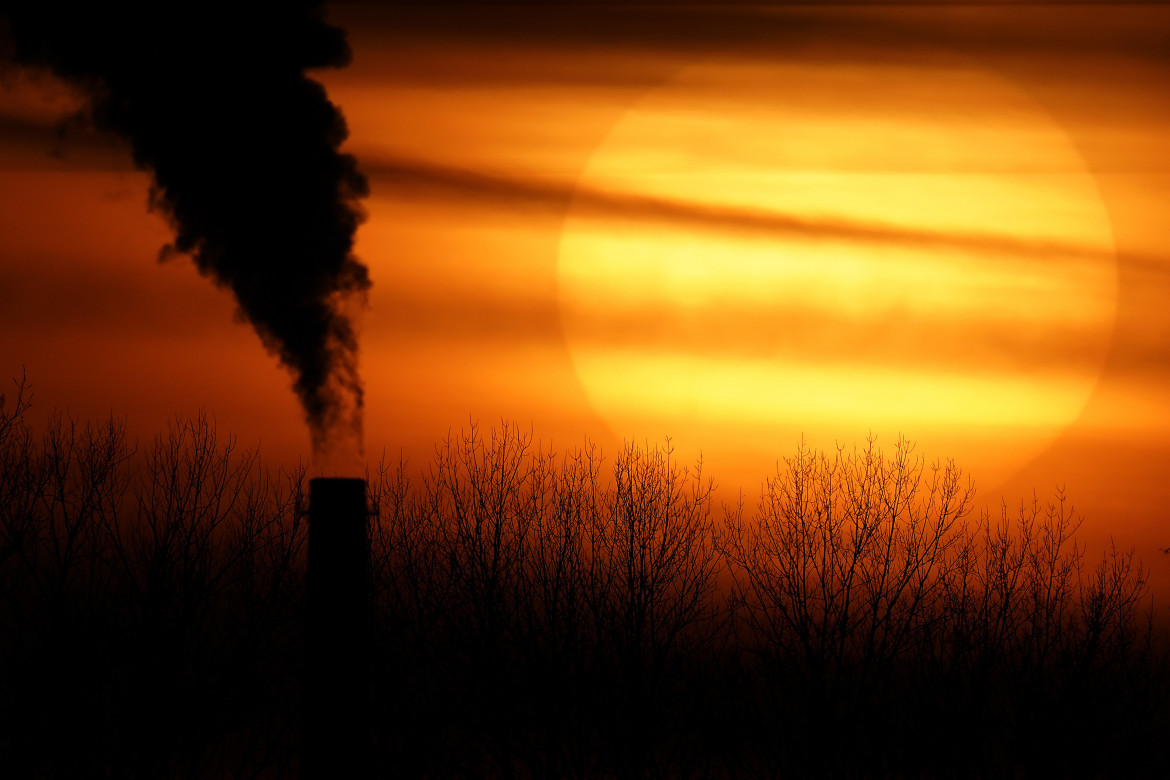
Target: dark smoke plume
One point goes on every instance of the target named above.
(243, 148)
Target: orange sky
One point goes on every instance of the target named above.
(733, 227)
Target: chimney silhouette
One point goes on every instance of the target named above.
(335, 737)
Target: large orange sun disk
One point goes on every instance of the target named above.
(740, 342)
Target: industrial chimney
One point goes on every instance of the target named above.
(335, 735)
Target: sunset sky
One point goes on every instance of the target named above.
(730, 225)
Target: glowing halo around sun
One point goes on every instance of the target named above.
(827, 252)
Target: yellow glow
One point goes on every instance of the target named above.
(961, 283)
(765, 393)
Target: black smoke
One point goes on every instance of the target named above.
(243, 148)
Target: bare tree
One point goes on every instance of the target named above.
(653, 543)
(874, 606)
(560, 615)
(150, 604)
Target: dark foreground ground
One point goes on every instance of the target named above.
(564, 616)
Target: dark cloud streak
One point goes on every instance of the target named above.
(31, 145)
(841, 31)
(417, 179)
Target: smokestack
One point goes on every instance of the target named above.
(335, 734)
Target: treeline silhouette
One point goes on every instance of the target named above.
(559, 615)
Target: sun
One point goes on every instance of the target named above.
(836, 252)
